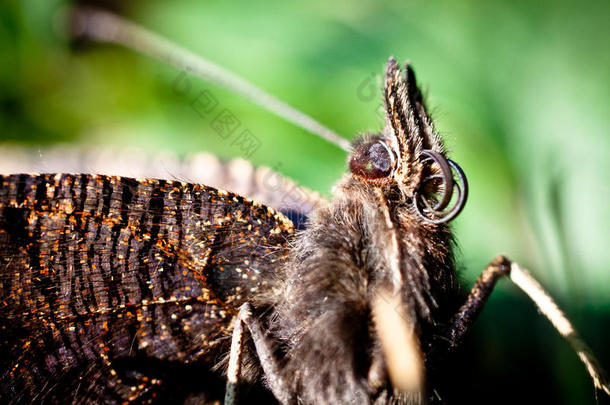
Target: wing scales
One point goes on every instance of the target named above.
(98, 269)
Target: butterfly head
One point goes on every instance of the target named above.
(408, 158)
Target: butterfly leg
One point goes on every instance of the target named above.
(265, 355)
(468, 313)
(499, 267)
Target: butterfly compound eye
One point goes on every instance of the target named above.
(372, 160)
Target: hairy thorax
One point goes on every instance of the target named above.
(342, 259)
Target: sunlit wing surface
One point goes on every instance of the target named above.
(101, 275)
(237, 175)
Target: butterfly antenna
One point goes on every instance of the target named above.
(103, 26)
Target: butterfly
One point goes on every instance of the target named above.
(118, 289)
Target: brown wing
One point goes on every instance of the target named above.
(99, 273)
(238, 175)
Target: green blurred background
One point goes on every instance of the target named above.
(520, 90)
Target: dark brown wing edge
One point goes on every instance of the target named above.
(109, 286)
(238, 175)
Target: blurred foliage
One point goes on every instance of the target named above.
(520, 90)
